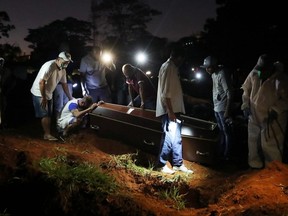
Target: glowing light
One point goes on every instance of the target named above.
(75, 85)
(198, 75)
(141, 58)
(107, 57)
(148, 73)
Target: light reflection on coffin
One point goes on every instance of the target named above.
(141, 129)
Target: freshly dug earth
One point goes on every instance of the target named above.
(223, 189)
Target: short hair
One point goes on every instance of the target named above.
(87, 100)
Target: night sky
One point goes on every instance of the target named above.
(180, 18)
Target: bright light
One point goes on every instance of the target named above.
(75, 85)
(107, 57)
(141, 58)
(148, 73)
(192, 69)
(198, 75)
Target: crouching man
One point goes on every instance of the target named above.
(74, 114)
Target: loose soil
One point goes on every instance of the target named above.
(224, 189)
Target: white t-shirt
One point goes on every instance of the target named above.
(52, 75)
(169, 86)
(66, 115)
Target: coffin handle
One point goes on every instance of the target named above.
(95, 127)
(202, 153)
(148, 143)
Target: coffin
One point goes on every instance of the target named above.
(141, 129)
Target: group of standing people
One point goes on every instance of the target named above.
(52, 79)
(264, 103)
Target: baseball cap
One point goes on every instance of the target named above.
(209, 62)
(65, 56)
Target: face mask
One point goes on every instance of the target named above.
(64, 65)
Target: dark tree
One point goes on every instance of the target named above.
(245, 29)
(4, 27)
(69, 34)
(124, 19)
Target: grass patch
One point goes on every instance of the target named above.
(72, 175)
(131, 162)
(173, 194)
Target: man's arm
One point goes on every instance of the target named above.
(77, 113)
(141, 93)
(42, 86)
(130, 95)
(169, 110)
(66, 90)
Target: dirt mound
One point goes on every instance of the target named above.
(225, 189)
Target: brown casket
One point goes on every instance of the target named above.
(141, 128)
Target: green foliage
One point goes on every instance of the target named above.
(73, 176)
(174, 195)
(129, 161)
(5, 28)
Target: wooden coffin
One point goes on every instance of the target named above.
(141, 128)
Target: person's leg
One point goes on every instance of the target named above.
(165, 146)
(176, 139)
(93, 94)
(254, 146)
(272, 139)
(105, 94)
(46, 123)
(227, 135)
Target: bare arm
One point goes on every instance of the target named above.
(77, 113)
(169, 109)
(66, 90)
(42, 86)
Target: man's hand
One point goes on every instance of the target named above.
(100, 102)
(44, 103)
(246, 113)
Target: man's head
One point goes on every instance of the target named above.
(85, 102)
(96, 52)
(64, 58)
(128, 70)
(177, 55)
(265, 66)
(210, 64)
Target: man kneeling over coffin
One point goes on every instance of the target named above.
(74, 114)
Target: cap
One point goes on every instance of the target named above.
(263, 62)
(66, 56)
(209, 62)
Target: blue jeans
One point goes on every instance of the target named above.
(171, 143)
(225, 135)
(103, 93)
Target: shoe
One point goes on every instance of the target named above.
(166, 170)
(183, 168)
(50, 138)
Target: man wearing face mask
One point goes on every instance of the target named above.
(50, 74)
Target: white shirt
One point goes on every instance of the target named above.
(66, 115)
(52, 75)
(169, 86)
